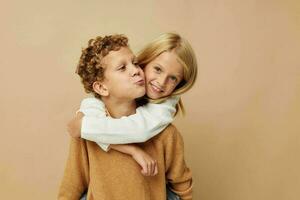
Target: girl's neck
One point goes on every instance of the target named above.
(119, 108)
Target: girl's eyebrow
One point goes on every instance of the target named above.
(159, 65)
(177, 74)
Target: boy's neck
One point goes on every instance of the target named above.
(118, 109)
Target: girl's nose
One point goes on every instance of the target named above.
(162, 80)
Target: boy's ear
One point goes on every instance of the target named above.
(100, 88)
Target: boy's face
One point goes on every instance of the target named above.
(122, 77)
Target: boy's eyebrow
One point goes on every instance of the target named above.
(121, 61)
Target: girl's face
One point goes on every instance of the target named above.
(162, 75)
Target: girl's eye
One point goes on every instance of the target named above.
(157, 69)
(173, 78)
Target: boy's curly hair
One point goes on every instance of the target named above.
(90, 67)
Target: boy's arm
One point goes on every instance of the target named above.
(148, 121)
(178, 174)
(76, 175)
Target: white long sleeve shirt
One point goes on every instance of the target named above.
(148, 121)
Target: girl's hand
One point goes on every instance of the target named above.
(74, 126)
(148, 164)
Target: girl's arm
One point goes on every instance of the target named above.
(96, 108)
(148, 121)
(148, 165)
(89, 107)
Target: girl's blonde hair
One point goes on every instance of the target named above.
(186, 57)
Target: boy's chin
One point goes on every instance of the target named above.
(141, 92)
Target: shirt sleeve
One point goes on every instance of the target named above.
(93, 107)
(178, 175)
(76, 175)
(148, 121)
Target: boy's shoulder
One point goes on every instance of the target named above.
(89, 100)
(170, 133)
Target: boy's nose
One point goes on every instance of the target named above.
(135, 70)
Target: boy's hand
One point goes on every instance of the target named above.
(74, 126)
(148, 164)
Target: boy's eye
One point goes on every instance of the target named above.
(122, 68)
(134, 61)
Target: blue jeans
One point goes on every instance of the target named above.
(83, 197)
(170, 195)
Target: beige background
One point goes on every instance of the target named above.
(242, 128)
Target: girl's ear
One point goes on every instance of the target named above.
(100, 88)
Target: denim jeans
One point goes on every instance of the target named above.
(83, 197)
(170, 195)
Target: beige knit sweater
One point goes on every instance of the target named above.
(116, 176)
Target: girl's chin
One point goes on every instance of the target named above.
(153, 96)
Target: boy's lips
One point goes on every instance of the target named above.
(140, 82)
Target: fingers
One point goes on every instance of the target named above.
(149, 168)
(149, 165)
(144, 170)
(155, 169)
(79, 115)
(153, 166)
